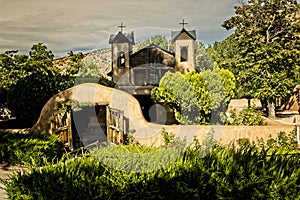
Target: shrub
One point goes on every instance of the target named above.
(248, 116)
(167, 137)
(244, 172)
(29, 149)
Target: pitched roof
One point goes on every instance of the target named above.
(153, 46)
(176, 34)
(124, 37)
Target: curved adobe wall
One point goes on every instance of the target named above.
(91, 93)
(144, 132)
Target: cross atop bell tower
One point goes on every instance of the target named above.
(183, 23)
(121, 48)
(184, 46)
(121, 27)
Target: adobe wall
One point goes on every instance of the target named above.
(225, 135)
(144, 132)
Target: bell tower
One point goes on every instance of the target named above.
(121, 48)
(184, 46)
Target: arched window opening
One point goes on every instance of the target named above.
(183, 54)
(121, 59)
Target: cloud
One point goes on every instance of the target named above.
(75, 24)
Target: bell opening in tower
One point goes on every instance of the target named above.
(183, 54)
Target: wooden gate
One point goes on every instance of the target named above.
(61, 127)
(115, 125)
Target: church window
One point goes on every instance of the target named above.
(153, 77)
(183, 54)
(121, 59)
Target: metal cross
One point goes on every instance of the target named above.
(121, 26)
(183, 23)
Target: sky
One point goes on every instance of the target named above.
(77, 25)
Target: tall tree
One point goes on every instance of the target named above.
(203, 59)
(12, 67)
(40, 60)
(225, 53)
(267, 32)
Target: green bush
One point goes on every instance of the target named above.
(167, 137)
(196, 98)
(137, 159)
(29, 149)
(245, 171)
(248, 116)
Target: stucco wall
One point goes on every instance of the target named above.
(191, 54)
(147, 133)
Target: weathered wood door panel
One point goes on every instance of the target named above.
(115, 126)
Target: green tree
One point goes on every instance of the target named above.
(267, 33)
(12, 67)
(29, 81)
(40, 60)
(197, 98)
(225, 54)
(27, 97)
(204, 61)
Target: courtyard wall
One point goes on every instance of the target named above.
(144, 132)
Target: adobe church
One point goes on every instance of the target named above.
(138, 73)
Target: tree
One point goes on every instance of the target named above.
(196, 98)
(40, 59)
(28, 81)
(31, 80)
(203, 59)
(267, 33)
(225, 53)
(12, 67)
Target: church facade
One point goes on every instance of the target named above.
(138, 73)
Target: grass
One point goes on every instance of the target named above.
(29, 148)
(248, 171)
(261, 170)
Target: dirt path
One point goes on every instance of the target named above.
(4, 174)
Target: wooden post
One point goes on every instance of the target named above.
(298, 135)
(121, 130)
(70, 139)
(108, 122)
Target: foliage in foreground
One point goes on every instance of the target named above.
(247, 171)
(29, 149)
